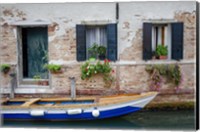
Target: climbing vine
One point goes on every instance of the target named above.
(171, 72)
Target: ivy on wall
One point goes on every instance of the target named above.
(171, 72)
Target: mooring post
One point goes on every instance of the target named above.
(13, 84)
(73, 88)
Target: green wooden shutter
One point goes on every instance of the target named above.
(147, 41)
(177, 40)
(81, 42)
(112, 42)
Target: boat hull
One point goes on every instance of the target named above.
(65, 116)
(91, 113)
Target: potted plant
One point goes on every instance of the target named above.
(53, 68)
(101, 52)
(161, 51)
(37, 78)
(89, 70)
(93, 52)
(5, 68)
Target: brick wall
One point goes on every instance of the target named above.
(130, 77)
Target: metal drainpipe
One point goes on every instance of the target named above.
(13, 84)
(73, 88)
(117, 12)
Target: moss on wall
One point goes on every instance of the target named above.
(171, 106)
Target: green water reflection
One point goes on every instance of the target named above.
(153, 120)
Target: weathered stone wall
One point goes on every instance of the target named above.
(130, 25)
(189, 19)
(129, 77)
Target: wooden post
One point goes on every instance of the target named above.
(73, 88)
(13, 85)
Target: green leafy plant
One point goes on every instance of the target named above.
(37, 77)
(96, 50)
(174, 73)
(89, 69)
(171, 72)
(161, 50)
(93, 51)
(54, 68)
(101, 52)
(5, 68)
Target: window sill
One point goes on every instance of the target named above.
(33, 90)
(131, 62)
(34, 86)
(34, 82)
(28, 90)
(154, 62)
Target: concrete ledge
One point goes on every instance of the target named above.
(123, 62)
(28, 90)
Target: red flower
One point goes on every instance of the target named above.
(113, 71)
(106, 61)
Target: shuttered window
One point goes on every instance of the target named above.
(171, 36)
(147, 41)
(111, 38)
(177, 41)
(81, 42)
(112, 42)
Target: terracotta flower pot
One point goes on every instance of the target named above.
(162, 57)
(45, 83)
(5, 71)
(39, 82)
(57, 72)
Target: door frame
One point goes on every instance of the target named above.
(21, 81)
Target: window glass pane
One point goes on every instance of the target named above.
(95, 35)
(35, 49)
(103, 37)
(161, 35)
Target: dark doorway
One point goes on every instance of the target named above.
(34, 52)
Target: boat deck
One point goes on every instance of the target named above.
(27, 103)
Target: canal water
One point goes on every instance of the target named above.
(141, 120)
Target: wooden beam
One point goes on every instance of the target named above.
(29, 102)
(3, 101)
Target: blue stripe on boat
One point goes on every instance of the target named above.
(14, 103)
(43, 103)
(83, 116)
(77, 102)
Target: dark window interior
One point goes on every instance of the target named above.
(24, 53)
(34, 52)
